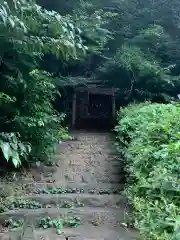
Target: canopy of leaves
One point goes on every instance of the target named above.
(28, 32)
(143, 57)
(94, 33)
(140, 56)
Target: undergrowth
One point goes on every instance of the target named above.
(148, 136)
(26, 204)
(77, 190)
(59, 224)
(47, 222)
(10, 203)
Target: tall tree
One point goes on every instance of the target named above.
(28, 32)
(144, 55)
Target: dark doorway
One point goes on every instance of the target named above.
(100, 106)
(99, 112)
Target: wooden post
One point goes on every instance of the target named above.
(113, 105)
(87, 105)
(74, 110)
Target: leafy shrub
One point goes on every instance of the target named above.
(28, 33)
(38, 121)
(149, 138)
(63, 134)
(29, 125)
(13, 149)
(70, 221)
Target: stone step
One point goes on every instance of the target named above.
(105, 165)
(90, 144)
(92, 188)
(115, 175)
(110, 180)
(94, 176)
(93, 146)
(88, 232)
(107, 216)
(89, 200)
(99, 139)
(85, 232)
(98, 188)
(42, 168)
(116, 172)
(16, 235)
(90, 155)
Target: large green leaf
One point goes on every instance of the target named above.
(15, 159)
(6, 149)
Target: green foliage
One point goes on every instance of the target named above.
(92, 22)
(71, 222)
(5, 204)
(77, 190)
(10, 203)
(132, 58)
(142, 57)
(26, 204)
(13, 149)
(91, 26)
(12, 223)
(29, 33)
(143, 60)
(38, 30)
(148, 137)
(71, 204)
(59, 190)
(38, 119)
(6, 191)
(63, 134)
(67, 204)
(29, 124)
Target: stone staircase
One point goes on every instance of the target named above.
(86, 184)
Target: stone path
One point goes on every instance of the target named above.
(92, 178)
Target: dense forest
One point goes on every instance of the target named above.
(47, 46)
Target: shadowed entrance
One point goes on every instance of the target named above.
(94, 108)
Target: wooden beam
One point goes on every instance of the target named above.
(96, 90)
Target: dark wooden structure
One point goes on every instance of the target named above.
(92, 104)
